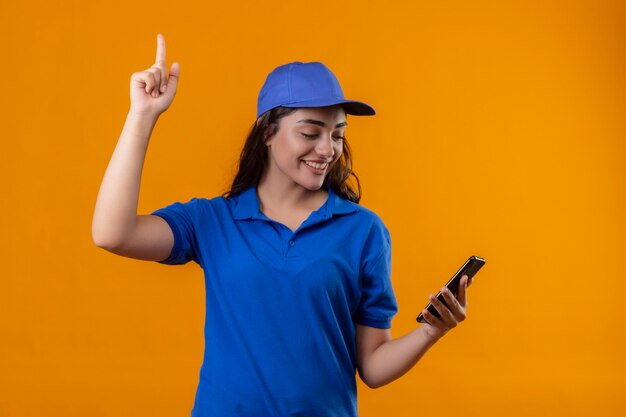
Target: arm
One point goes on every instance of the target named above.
(381, 359)
(116, 226)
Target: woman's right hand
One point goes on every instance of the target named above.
(151, 90)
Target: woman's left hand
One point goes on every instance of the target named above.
(452, 315)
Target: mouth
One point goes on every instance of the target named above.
(316, 167)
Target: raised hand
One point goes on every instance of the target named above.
(152, 90)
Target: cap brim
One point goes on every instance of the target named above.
(356, 108)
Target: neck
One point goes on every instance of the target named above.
(281, 196)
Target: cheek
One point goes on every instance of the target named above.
(283, 148)
(338, 150)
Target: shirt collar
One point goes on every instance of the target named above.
(247, 204)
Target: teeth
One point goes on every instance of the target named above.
(316, 165)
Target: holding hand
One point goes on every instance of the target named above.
(151, 90)
(450, 316)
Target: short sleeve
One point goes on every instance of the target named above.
(180, 217)
(378, 302)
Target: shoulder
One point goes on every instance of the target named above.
(193, 204)
(363, 223)
(342, 205)
(367, 213)
(192, 207)
(378, 231)
(359, 213)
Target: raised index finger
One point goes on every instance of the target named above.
(160, 53)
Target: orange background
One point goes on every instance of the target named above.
(500, 133)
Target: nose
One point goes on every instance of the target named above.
(325, 147)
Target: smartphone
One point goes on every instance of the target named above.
(469, 268)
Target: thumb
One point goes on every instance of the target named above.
(172, 79)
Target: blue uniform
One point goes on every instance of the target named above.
(281, 306)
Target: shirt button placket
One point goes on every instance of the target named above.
(291, 243)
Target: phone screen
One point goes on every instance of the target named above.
(469, 268)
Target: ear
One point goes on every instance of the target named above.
(258, 121)
(268, 134)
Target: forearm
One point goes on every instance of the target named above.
(116, 207)
(396, 357)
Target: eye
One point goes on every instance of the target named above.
(315, 135)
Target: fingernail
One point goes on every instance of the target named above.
(163, 88)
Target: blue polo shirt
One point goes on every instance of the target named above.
(281, 306)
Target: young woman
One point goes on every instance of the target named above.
(297, 273)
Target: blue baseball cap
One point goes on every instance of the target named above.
(306, 84)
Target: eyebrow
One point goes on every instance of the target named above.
(320, 123)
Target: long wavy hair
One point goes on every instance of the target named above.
(254, 157)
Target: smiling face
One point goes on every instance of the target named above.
(306, 146)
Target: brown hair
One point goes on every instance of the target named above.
(254, 157)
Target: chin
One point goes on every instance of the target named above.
(312, 186)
